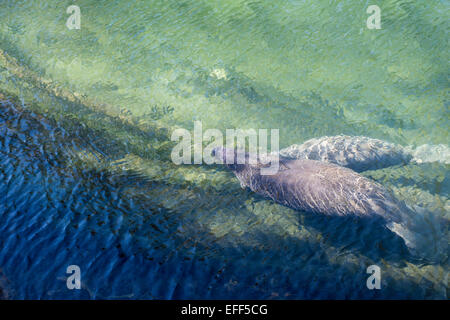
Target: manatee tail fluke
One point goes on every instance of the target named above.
(425, 233)
(430, 153)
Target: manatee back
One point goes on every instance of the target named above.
(357, 153)
(328, 189)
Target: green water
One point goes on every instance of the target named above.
(140, 69)
(309, 68)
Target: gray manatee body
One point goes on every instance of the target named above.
(315, 186)
(355, 152)
(329, 189)
(319, 187)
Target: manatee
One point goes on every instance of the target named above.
(313, 186)
(355, 152)
(320, 187)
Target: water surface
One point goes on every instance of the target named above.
(85, 121)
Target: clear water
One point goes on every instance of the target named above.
(86, 115)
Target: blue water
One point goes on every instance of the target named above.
(86, 176)
(57, 211)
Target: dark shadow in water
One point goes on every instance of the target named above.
(289, 268)
(363, 236)
(138, 238)
(253, 265)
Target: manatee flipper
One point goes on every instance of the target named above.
(355, 152)
(425, 233)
